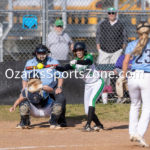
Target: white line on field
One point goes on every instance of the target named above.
(50, 146)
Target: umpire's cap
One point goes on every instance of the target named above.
(41, 49)
(79, 46)
(33, 75)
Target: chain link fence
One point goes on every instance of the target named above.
(18, 42)
(81, 18)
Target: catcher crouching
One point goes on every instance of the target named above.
(35, 101)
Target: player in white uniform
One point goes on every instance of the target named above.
(93, 83)
(139, 83)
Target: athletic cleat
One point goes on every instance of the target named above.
(55, 126)
(52, 126)
(98, 128)
(132, 138)
(87, 128)
(58, 127)
(141, 141)
(19, 126)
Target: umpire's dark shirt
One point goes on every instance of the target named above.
(111, 37)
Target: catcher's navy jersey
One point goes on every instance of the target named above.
(141, 62)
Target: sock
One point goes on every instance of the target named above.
(97, 121)
(105, 98)
(90, 115)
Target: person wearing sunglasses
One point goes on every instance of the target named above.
(111, 39)
(59, 42)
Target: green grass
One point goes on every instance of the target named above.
(109, 112)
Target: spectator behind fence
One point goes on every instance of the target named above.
(121, 87)
(111, 39)
(59, 42)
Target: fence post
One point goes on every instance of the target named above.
(143, 4)
(44, 8)
(64, 14)
(116, 4)
(1, 50)
(10, 25)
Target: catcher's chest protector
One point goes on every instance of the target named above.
(34, 98)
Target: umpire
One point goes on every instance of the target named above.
(41, 56)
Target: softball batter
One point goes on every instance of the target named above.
(138, 85)
(93, 83)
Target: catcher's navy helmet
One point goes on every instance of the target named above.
(41, 49)
(79, 46)
(33, 75)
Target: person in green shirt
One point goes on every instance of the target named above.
(94, 84)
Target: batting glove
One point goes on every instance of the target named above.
(73, 62)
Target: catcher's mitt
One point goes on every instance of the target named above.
(121, 85)
(34, 85)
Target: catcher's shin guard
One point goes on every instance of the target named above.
(24, 108)
(24, 122)
(56, 111)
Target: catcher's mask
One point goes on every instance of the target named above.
(143, 27)
(41, 53)
(79, 46)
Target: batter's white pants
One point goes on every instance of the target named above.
(139, 90)
(40, 112)
(91, 93)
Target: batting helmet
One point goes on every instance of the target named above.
(143, 27)
(79, 46)
(33, 75)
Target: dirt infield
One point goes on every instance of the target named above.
(40, 137)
